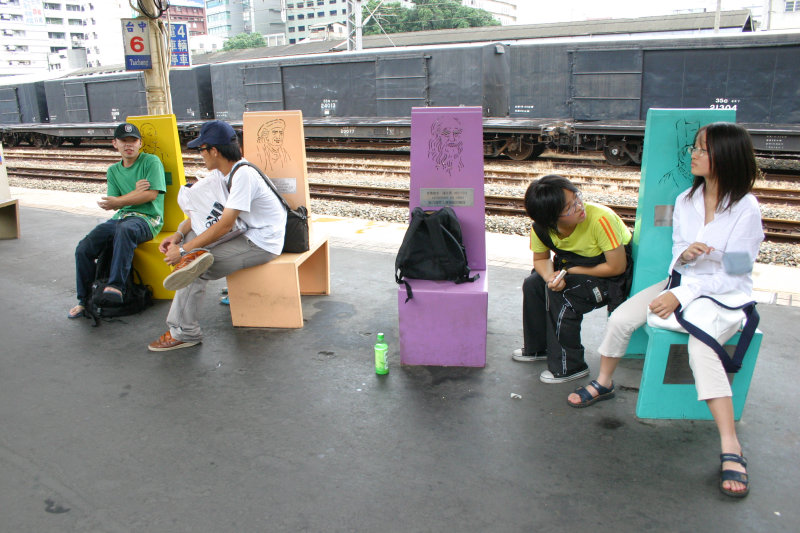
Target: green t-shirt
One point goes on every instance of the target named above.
(123, 180)
(601, 231)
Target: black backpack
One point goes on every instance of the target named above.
(432, 249)
(137, 296)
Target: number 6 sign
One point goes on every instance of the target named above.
(136, 39)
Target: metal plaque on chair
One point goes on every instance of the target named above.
(447, 197)
(662, 215)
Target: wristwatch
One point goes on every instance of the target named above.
(182, 251)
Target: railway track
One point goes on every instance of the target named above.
(775, 229)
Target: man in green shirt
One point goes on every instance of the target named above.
(136, 187)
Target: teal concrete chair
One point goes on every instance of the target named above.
(667, 388)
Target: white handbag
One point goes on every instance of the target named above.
(706, 314)
(709, 316)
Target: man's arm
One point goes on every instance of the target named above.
(140, 195)
(212, 234)
(614, 266)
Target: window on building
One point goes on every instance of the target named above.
(792, 6)
(320, 2)
(73, 7)
(311, 15)
(320, 13)
(301, 28)
(300, 16)
(290, 17)
(54, 7)
(50, 20)
(291, 29)
(55, 49)
(75, 22)
(333, 13)
(56, 35)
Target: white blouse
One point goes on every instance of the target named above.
(737, 229)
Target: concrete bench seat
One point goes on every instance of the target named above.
(667, 388)
(445, 324)
(268, 295)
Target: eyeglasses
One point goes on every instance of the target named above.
(574, 206)
(695, 150)
(203, 148)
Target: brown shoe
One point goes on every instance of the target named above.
(167, 342)
(189, 268)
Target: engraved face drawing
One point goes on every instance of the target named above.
(445, 144)
(150, 140)
(270, 144)
(681, 174)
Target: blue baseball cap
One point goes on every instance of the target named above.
(214, 133)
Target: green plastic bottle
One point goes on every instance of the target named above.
(381, 359)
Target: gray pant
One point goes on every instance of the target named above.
(229, 257)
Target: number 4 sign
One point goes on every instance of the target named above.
(136, 38)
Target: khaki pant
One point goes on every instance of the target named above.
(710, 378)
(229, 256)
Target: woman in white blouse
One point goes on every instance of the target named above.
(717, 215)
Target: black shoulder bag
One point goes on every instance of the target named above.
(296, 237)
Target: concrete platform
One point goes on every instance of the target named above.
(291, 430)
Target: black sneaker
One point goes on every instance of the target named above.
(548, 377)
(517, 355)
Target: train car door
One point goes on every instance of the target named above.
(605, 84)
(263, 88)
(400, 84)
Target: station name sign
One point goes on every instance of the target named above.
(136, 38)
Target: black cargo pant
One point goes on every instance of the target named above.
(551, 321)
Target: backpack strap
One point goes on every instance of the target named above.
(565, 258)
(268, 181)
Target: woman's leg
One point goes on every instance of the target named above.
(722, 411)
(713, 387)
(621, 325)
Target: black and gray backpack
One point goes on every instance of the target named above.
(432, 249)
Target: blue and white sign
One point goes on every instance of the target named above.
(136, 38)
(179, 46)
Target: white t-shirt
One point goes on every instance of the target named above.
(259, 208)
(261, 214)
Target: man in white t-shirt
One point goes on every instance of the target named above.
(235, 222)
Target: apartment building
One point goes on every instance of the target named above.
(59, 35)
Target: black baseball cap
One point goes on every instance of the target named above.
(214, 133)
(126, 130)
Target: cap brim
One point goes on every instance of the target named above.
(195, 143)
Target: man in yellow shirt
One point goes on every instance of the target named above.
(589, 242)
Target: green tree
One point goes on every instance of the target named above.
(244, 40)
(425, 15)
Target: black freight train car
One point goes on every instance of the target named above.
(23, 103)
(606, 88)
(565, 94)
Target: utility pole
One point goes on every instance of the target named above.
(354, 25)
(159, 97)
(717, 16)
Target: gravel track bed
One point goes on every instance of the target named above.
(770, 253)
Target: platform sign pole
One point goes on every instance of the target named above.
(145, 49)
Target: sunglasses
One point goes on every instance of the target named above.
(202, 148)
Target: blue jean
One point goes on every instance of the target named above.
(125, 234)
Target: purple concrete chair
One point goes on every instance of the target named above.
(444, 324)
